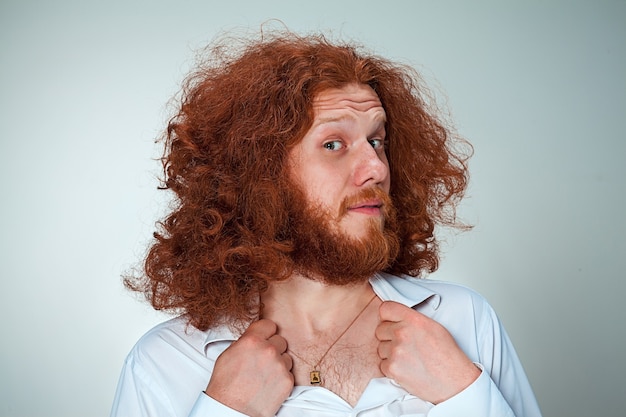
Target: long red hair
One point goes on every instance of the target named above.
(225, 151)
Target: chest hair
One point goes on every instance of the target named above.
(346, 370)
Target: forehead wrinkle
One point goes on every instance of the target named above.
(354, 103)
(380, 120)
(380, 115)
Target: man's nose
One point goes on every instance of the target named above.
(371, 166)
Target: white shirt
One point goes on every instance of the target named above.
(170, 366)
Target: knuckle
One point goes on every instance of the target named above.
(401, 334)
(267, 350)
(386, 308)
(392, 368)
(397, 352)
(251, 339)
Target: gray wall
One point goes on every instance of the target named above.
(538, 87)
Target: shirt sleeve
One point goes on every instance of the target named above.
(502, 389)
(502, 365)
(481, 399)
(140, 395)
(207, 406)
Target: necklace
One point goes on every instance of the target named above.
(315, 375)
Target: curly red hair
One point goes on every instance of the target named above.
(241, 111)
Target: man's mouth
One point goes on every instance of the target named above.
(372, 207)
(371, 201)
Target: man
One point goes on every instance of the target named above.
(310, 178)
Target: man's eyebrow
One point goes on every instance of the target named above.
(381, 118)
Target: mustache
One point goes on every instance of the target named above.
(366, 195)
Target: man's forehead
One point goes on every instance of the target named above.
(358, 97)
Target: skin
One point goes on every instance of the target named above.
(342, 154)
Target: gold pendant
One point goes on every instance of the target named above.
(316, 379)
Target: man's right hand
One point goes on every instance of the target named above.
(253, 376)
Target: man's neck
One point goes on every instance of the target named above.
(327, 327)
(313, 306)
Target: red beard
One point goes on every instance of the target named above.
(322, 252)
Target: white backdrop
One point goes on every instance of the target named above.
(538, 87)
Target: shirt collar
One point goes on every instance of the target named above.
(220, 333)
(404, 290)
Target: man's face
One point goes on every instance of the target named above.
(340, 164)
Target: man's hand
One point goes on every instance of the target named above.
(253, 375)
(421, 355)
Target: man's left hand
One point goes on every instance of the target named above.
(421, 355)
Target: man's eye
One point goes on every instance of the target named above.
(333, 145)
(377, 143)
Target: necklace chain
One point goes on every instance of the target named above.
(315, 375)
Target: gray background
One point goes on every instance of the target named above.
(538, 87)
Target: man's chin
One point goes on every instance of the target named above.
(358, 230)
(346, 259)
